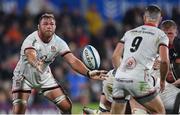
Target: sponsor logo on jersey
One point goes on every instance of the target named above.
(130, 63)
(53, 49)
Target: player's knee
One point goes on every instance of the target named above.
(64, 104)
(103, 107)
(138, 111)
(20, 102)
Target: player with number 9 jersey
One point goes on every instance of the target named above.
(139, 48)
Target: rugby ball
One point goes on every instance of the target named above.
(90, 57)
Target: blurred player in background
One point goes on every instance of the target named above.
(139, 48)
(38, 51)
(171, 95)
(170, 28)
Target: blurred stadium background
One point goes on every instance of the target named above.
(100, 23)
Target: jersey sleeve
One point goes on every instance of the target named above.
(163, 40)
(122, 40)
(63, 47)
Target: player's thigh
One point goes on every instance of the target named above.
(20, 97)
(119, 98)
(137, 108)
(55, 92)
(155, 105)
(20, 90)
(118, 108)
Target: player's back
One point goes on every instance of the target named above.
(140, 48)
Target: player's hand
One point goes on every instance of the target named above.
(98, 74)
(162, 86)
(40, 66)
(177, 83)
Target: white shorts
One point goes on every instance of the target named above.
(107, 88)
(169, 96)
(140, 87)
(20, 83)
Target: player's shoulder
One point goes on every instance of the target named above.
(31, 37)
(160, 32)
(58, 39)
(129, 32)
(154, 29)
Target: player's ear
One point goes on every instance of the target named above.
(176, 33)
(144, 18)
(38, 26)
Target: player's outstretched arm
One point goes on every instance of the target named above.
(164, 65)
(79, 67)
(32, 59)
(117, 55)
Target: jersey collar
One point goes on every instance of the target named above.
(150, 24)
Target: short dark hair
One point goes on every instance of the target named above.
(46, 15)
(168, 24)
(153, 11)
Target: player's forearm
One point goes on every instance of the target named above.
(116, 62)
(164, 68)
(79, 67)
(117, 55)
(31, 57)
(76, 64)
(33, 60)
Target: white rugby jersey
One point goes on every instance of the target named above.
(45, 51)
(141, 46)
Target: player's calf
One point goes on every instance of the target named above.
(64, 104)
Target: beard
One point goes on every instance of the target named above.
(48, 34)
